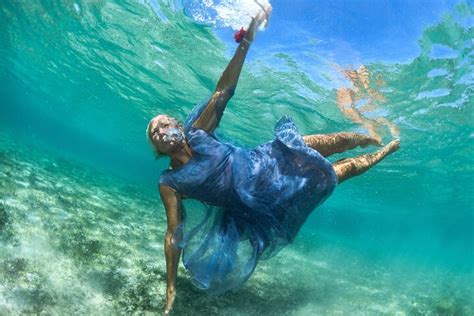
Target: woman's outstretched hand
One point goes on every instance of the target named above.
(170, 296)
(262, 17)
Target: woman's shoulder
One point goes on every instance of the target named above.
(175, 178)
(166, 177)
(200, 139)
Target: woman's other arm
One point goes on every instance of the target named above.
(172, 202)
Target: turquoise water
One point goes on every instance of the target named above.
(81, 223)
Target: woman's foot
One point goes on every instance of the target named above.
(350, 167)
(391, 147)
(368, 140)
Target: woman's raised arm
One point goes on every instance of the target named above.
(212, 113)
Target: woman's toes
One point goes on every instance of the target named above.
(393, 146)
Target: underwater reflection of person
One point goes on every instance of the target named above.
(257, 199)
(364, 90)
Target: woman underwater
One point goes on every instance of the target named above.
(257, 199)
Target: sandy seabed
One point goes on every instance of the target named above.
(74, 242)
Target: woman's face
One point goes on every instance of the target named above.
(166, 134)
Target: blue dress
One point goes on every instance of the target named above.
(257, 200)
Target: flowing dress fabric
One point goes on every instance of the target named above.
(257, 200)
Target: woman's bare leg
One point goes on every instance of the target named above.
(329, 144)
(350, 167)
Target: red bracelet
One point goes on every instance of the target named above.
(240, 35)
